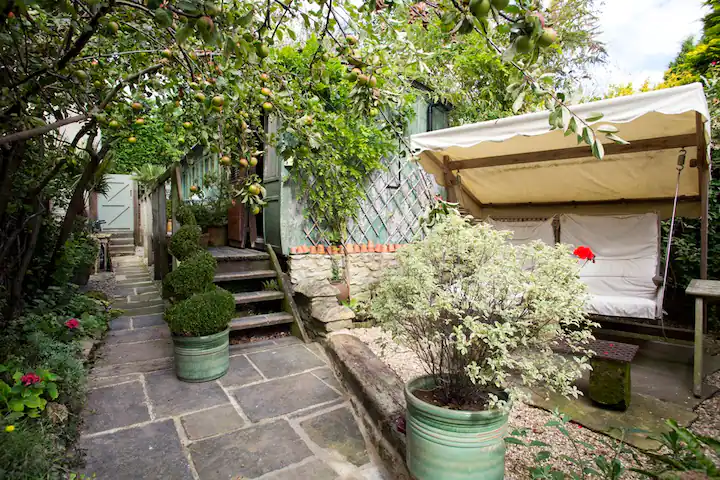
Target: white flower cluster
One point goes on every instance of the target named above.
(479, 311)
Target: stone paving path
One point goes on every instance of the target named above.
(279, 413)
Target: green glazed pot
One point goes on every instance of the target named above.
(444, 444)
(201, 359)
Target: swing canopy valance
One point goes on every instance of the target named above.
(509, 165)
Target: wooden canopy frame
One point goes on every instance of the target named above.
(451, 170)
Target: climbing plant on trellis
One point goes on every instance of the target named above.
(395, 199)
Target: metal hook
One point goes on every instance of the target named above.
(681, 160)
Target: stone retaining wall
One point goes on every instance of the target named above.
(363, 269)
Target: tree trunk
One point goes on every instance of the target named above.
(75, 206)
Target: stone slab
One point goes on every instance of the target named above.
(138, 335)
(314, 469)
(645, 413)
(337, 431)
(120, 323)
(285, 361)
(169, 396)
(248, 453)
(150, 452)
(115, 406)
(137, 311)
(240, 373)
(217, 420)
(282, 396)
(327, 376)
(135, 352)
(142, 321)
(249, 347)
(134, 367)
(95, 381)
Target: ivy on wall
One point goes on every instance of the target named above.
(153, 145)
(340, 142)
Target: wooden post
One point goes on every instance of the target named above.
(698, 360)
(704, 178)
(449, 181)
(161, 255)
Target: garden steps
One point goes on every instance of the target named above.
(264, 320)
(261, 296)
(239, 276)
(241, 271)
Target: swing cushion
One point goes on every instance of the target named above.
(527, 230)
(627, 258)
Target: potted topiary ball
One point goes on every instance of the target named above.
(482, 315)
(200, 313)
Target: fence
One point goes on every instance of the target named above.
(154, 222)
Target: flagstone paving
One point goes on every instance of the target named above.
(279, 413)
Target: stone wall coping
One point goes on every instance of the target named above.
(373, 383)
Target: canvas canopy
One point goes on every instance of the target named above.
(503, 167)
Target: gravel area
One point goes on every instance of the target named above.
(102, 281)
(518, 458)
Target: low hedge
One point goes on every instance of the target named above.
(185, 215)
(185, 242)
(202, 314)
(194, 275)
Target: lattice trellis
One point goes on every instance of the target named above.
(395, 200)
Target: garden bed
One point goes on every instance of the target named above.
(520, 459)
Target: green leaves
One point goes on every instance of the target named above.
(163, 17)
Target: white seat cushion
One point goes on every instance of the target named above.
(626, 248)
(621, 306)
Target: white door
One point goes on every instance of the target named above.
(117, 208)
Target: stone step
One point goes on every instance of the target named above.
(237, 276)
(117, 241)
(262, 296)
(256, 321)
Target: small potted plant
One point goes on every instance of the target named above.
(482, 315)
(200, 313)
(337, 279)
(210, 208)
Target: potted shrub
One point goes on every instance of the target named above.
(200, 312)
(482, 316)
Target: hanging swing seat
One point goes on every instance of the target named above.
(519, 168)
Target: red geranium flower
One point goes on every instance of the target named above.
(29, 379)
(72, 323)
(584, 253)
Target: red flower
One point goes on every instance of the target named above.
(72, 323)
(29, 379)
(584, 253)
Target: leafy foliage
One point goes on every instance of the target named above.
(682, 451)
(154, 146)
(475, 309)
(27, 395)
(194, 275)
(185, 242)
(215, 200)
(202, 314)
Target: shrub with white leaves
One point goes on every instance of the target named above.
(483, 315)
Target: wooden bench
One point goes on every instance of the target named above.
(610, 384)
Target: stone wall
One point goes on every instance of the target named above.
(363, 269)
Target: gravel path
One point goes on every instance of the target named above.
(102, 281)
(519, 459)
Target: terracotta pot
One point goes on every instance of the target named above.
(313, 250)
(321, 249)
(363, 248)
(371, 245)
(218, 236)
(205, 240)
(293, 250)
(343, 290)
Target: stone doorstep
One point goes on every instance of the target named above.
(380, 393)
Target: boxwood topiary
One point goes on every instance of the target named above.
(185, 242)
(194, 275)
(202, 314)
(185, 215)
